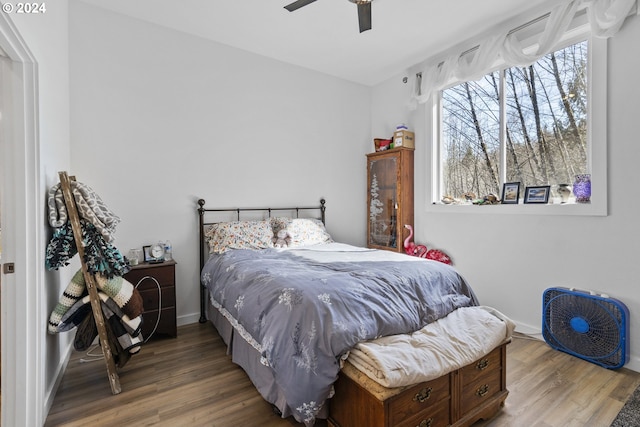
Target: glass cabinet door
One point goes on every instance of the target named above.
(383, 202)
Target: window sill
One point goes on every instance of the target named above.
(568, 209)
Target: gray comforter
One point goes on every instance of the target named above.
(304, 315)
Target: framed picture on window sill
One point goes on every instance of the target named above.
(510, 193)
(538, 194)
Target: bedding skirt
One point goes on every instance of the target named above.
(247, 357)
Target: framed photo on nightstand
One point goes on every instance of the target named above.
(147, 254)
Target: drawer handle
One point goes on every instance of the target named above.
(423, 395)
(482, 364)
(425, 423)
(482, 391)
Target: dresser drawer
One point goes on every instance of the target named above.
(420, 399)
(165, 275)
(436, 416)
(166, 324)
(474, 371)
(483, 388)
(152, 300)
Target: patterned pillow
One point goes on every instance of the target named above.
(239, 235)
(303, 231)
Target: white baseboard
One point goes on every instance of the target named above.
(60, 370)
(188, 319)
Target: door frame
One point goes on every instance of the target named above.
(21, 307)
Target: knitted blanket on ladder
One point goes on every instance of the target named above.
(90, 207)
(121, 304)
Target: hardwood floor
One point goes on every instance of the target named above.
(190, 381)
(549, 388)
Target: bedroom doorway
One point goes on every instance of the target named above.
(3, 59)
(21, 369)
(3, 102)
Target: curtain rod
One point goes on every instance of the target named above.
(512, 31)
(515, 30)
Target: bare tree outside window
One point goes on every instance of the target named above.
(545, 120)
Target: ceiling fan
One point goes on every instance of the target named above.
(364, 11)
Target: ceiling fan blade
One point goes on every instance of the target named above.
(364, 16)
(298, 4)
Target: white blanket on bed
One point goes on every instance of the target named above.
(460, 338)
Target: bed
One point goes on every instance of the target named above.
(322, 327)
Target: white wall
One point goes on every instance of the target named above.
(496, 252)
(161, 118)
(46, 36)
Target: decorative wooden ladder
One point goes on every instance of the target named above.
(114, 380)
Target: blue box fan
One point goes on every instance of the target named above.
(586, 325)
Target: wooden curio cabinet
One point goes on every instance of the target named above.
(389, 198)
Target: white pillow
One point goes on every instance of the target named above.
(303, 231)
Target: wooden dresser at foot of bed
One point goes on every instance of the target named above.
(460, 398)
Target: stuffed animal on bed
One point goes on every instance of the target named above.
(282, 239)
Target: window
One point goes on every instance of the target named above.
(537, 124)
(519, 124)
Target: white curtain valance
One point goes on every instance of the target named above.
(605, 19)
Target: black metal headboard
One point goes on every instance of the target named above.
(202, 211)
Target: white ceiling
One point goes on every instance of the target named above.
(324, 36)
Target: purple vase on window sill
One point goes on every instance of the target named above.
(582, 188)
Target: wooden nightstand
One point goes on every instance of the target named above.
(155, 304)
